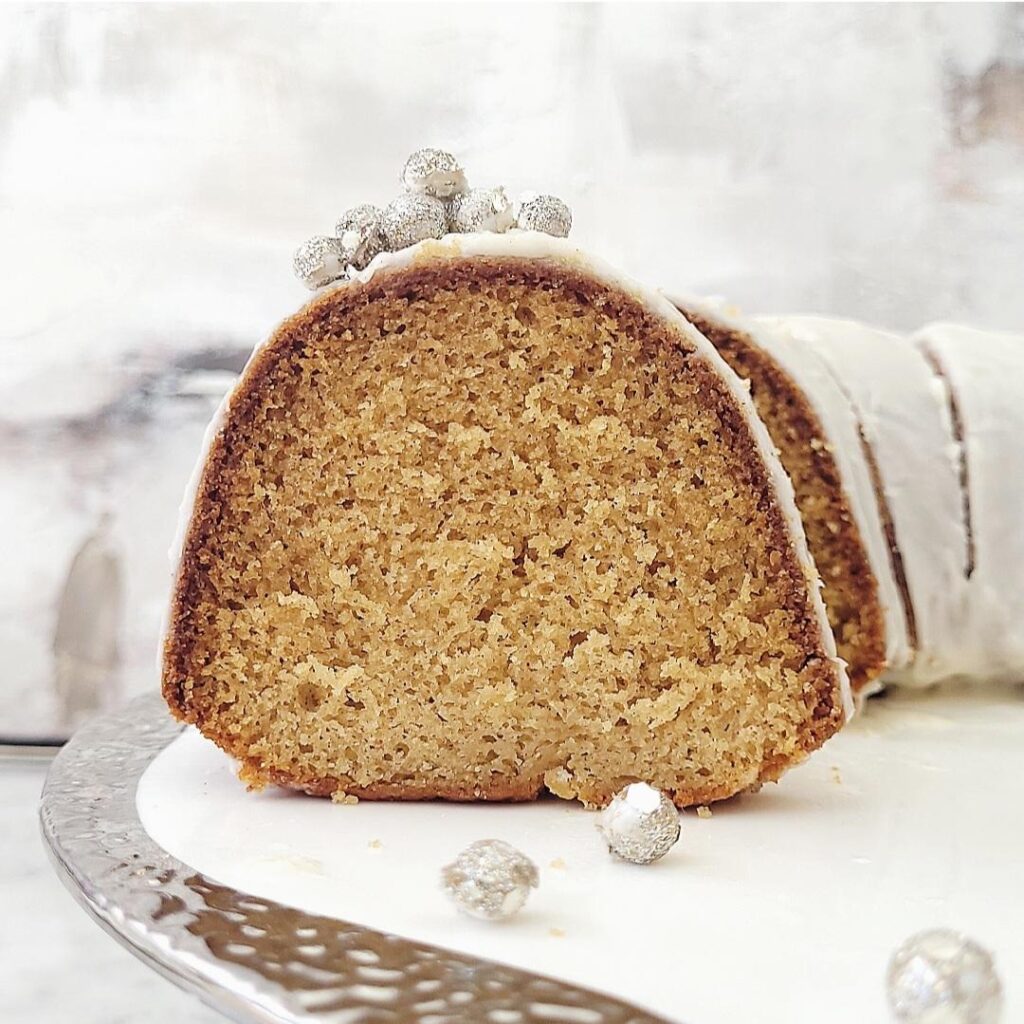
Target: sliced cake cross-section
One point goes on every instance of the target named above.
(490, 519)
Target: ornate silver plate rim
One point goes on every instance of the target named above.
(252, 959)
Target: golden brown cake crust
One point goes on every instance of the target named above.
(822, 693)
(851, 591)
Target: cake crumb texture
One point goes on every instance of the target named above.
(481, 528)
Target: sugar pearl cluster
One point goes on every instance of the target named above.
(436, 200)
(492, 880)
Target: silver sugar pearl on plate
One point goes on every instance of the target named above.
(481, 209)
(412, 218)
(361, 233)
(943, 977)
(433, 172)
(543, 213)
(319, 261)
(640, 825)
(490, 879)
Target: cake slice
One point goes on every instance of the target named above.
(904, 411)
(984, 376)
(490, 519)
(815, 429)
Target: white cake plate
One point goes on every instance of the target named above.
(251, 958)
(781, 908)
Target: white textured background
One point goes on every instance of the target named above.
(159, 163)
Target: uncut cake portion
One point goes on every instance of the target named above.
(816, 430)
(490, 519)
(983, 374)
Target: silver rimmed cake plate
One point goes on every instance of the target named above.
(253, 959)
(769, 910)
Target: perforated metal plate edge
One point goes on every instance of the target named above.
(256, 961)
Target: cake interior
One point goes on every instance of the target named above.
(850, 590)
(480, 530)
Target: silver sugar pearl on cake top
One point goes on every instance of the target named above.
(433, 172)
(640, 825)
(490, 879)
(481, 209)
(543, 213)
(319, 261)
(361, 233)
(412, 218)
(942, 977)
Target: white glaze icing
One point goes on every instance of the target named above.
(985, 372)
(530, 245)
(903, 409)
(841, 428)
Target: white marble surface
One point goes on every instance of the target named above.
(56, 965)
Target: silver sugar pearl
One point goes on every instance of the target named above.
(412, 218)
(640, 825)
(481, 209)
(433, 172)
(319, 261)
(942, 977)
(490, 879)
(360, 232)
(543, 213)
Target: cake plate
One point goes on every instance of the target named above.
(782, 907)
(253, 959)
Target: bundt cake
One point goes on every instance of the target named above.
(814, 427)
(984, 377)
(904, 413)
(489, 519)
